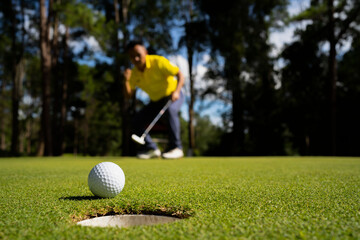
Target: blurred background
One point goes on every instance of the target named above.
(263, 77)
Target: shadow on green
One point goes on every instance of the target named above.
(80, 198)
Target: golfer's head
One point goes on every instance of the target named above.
(137, 53)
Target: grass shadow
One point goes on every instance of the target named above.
(80, 198)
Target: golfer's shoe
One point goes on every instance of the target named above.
(152, 153)
(173, 154)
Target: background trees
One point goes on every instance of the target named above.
(61, 77)
(315, 74)
(239, 34)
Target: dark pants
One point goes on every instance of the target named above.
(144, 117)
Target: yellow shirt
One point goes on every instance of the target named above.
(157, 80)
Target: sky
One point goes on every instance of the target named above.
(280, 37)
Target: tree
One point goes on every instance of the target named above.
(5, 94)
(348, 97)
(83, 22)
(31, 108)
(194, 39)
(64, 90)
(239, 32)
(11, 28)
(302, 92)
(208, 136)
(45, 47)
(124, 105)
(190, 54)
(336, 20)
(56, 84)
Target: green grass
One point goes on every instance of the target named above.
(226, 198)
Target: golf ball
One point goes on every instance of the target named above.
(106, 180)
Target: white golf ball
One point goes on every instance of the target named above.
(106, 180)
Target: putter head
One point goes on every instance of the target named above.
(138, 139)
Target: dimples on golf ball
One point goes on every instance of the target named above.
(106, 180)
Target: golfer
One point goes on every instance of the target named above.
(155, 75)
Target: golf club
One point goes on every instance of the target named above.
(141, 140)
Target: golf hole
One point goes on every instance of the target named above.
(124, 221)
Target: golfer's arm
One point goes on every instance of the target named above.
(180, 77)
(128, 91)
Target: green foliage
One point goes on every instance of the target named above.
(306, 82)
(223, 198)
(152, 22)
(239, 34)
(349, 97)
(316, 12)
(302, 91)
(207, 135)
(75, 14)
(99, 129)
(33, 79)
(104, 130)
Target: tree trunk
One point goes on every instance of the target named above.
(192, 96)
(56, 87)
(76, 135)
(190, 53)
(46, 76)
(237, 117)
(41, 144)
(15, 85)
(237, 123)
(124, 104)
(64, 94)
(19, 75)
(2, 117)
(28, 136)
(332, 77)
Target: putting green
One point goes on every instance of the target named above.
(218, 198)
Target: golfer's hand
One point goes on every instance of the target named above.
(175, 96)
(127, 74)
